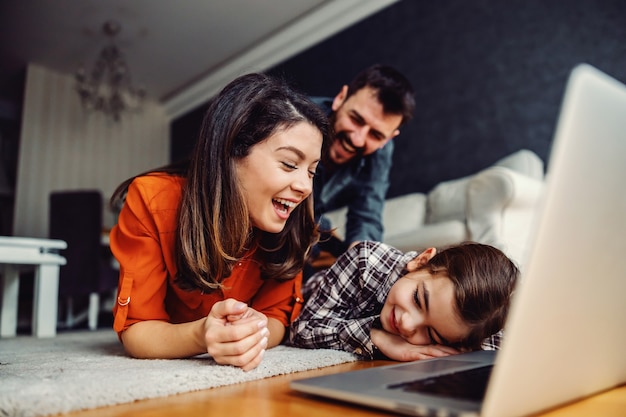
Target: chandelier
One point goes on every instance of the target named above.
(108, 87)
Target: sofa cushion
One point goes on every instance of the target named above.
(400, 214)
(436, 235)
(337, 219)
(404, 213)
(447, 201)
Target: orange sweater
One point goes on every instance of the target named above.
(143, 241)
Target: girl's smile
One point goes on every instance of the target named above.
(392, 323)
(420, 308)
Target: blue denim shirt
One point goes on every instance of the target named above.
(361, 184)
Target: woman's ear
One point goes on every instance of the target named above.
(421, 259)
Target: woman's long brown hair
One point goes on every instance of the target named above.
(214, 228)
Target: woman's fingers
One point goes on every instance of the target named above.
(246, 353)
(231, 310)
(258, 358)
(229, 307)
(240, 343)
(236, 334)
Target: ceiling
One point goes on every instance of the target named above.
(179, 51)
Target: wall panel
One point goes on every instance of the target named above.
(62, 147)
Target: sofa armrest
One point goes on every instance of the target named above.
(501, 206)
(524, 162)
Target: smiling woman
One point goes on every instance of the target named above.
(211, 249)
(279, 171)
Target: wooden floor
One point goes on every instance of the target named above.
(273, 397)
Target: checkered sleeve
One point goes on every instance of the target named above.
(342, 302)
(493, 342)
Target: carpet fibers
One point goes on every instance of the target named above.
(83, 370)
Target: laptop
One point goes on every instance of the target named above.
(566, 332)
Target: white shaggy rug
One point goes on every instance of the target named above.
(82, 370)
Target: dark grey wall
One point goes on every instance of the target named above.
(488, 75)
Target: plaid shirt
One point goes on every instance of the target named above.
(342, 302)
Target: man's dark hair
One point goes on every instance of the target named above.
(394, 90)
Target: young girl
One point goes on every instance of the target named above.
(211, 251)
(376, 301)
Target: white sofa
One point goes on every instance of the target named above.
(494, 206)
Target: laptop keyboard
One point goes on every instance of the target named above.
(470, 384)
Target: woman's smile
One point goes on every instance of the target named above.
(283, 207)
(279, 171)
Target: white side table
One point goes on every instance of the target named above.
(44, 254)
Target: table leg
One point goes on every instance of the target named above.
(45, 303)
(10, 298)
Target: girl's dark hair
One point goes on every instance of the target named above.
(214, 228)
(484, 279)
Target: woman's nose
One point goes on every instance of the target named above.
(303, 183)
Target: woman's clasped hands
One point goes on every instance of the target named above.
(236, 334)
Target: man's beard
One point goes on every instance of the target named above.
(340, 138)
(347, 144)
